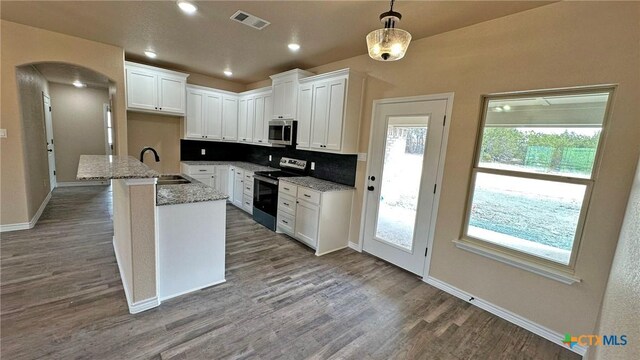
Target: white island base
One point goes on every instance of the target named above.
(191, 245)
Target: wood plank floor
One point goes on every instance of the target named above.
(61, 298)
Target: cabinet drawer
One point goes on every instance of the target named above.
(248, 177)
(286, 223)
(247, 188)
(287, 204)
(202, 169)
(309, 195)
(247, 203)
(288, 189)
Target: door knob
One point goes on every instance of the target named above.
(370, 188)
(49, 150)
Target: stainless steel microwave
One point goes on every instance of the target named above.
(282, 132)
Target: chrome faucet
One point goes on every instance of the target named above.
(155, 153)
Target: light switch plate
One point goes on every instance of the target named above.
(3, 133)
(313, 165)
(203, 151)
(362, 156)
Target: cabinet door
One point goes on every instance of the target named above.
(279, 94)
(229, 118)
(209, 180)
(305, 97)
(171, 97)
(307, 216)
(231, 183)
(335, 114)
(142, 90)
(251, 114)
(258, 120)
(289, 103)
(238, 188)
(222, 179)
(242, 119)
(268, 115)
(213, 116)
(319, 115)
(195, 101)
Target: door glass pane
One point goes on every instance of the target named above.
(400, 184)
(537, 217)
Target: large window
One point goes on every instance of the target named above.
(534, 170)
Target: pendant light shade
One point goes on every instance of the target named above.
(388, 43)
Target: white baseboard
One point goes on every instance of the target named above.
(143, 305)
(139, 306)
(355, 246)
(553, 336)
(30, 224)
(82, 183)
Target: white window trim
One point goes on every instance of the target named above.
(563, 277)
(513, 257)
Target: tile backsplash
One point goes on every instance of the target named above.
(332, 167)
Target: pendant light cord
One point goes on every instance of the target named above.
(391, 6)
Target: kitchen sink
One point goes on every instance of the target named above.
(172, 180)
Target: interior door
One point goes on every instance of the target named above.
(51, 151)
(405, 149)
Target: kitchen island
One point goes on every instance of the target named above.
(168, 239)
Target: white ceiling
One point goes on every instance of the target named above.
(209, 42)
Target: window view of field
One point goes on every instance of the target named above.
(533, 216)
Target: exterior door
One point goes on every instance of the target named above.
(51, 151)
(406, 139)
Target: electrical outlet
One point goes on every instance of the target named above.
(313, 165)
(269, 157)
(3, 133)
(362, 156)
(203, 151)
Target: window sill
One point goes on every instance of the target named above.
(547, 272)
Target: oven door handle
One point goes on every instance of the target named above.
(265, 179)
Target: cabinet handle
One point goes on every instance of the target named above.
(307, 195)
(286, 204)
(248, 188)
(223, 138)
(285, 188)
(156, 108)
(285, 221)
(202, 170)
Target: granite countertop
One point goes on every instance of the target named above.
(241, 164)
(106, 167)
(316, 184)
(187, 193)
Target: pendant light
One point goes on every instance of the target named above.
(389, 43)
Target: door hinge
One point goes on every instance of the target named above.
(444, 120)
(425, 251)
(435, 186)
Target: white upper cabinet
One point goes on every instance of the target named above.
(258, 120)
(305, 99)
(195, 117)
(229, 117)
(243, 116)
(255, 111)
(151, 89)
(285, 93)
(205, 114)
(213, 116)
(329, 112)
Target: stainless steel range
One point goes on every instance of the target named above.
(265, 190)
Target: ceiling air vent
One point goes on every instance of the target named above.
(249, 20)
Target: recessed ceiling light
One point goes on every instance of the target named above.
(78, 84)
(294, 47)
(228, 72)
(187, 7)
(150, 54)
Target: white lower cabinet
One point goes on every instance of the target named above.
(238, 188)
(209, 179)
(320, 220)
